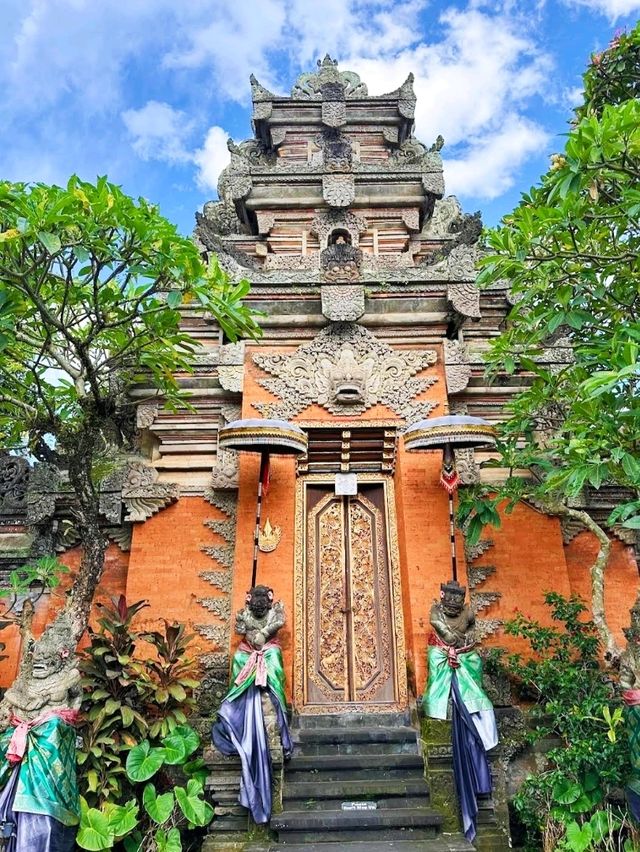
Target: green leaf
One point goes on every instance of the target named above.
(190, 738)
(566, 792)
(192, 805)
(158, 807)
(579, 838)
(175, 749)
(602, 823)
(632, 523)
(50, 241)
(127, 715)
(94, 833)
(168, 841)
(144, 761)
(122, 818)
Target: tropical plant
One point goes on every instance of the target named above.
(92, 289)
(571, 253)
(572, 803)
(160, 812)
(137, 685)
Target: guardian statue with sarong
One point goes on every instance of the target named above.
(454, 690)
(257, 674)
(39, 802)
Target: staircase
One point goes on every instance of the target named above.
(356, 783)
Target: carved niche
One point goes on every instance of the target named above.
(328, 221)
(346, 370)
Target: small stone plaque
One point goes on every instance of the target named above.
(359, 806)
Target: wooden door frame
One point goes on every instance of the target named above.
(395, 589)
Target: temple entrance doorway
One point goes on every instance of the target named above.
(349, 627)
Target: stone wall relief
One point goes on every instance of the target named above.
(346, 370)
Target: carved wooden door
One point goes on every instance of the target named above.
(350, 656)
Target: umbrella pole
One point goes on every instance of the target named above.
(449, 479)
(452, 535)
(264, 466)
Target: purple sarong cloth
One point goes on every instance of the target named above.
(240, 729)
(470, 765)
(32, 832)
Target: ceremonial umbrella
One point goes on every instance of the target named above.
(448, 433)
(266, 437)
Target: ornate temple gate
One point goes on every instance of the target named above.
(350, 644)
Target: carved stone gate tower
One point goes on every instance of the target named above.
(335, 213)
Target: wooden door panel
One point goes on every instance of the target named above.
(349, 642)
(371, 633)
(325, 629)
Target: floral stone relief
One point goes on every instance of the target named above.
(346, 370)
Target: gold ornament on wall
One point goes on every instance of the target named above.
(269, 537)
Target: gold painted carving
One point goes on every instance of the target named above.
(269, 537)
(326, 527)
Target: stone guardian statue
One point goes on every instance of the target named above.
(256, 693)
(454, 691)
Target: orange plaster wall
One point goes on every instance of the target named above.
(112, 584)
(621, 578)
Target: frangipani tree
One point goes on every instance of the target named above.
(571, 252)
(91, 286)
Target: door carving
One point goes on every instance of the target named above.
(351, 603)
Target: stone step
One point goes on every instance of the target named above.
(378, 734)
(443, 843)
(338, 825)
(354, 791)
(335, 767)
(383, 803)
(352, 720)
(380, 740)
(357, 748)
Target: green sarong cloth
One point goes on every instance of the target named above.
(275, 672)
(435, 700)
(47, 782)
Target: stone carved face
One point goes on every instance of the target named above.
(260, 600)
(47, 660)
(452, 598)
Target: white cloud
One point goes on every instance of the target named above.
(490, 165)
(211, 158)
(472, 86)
(158, 132)
(71, 64)
(611, 9)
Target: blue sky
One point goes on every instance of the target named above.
(147, 91)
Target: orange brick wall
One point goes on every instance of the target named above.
(529, 557)
(112, 584)
(165, 563)
(621, 577)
